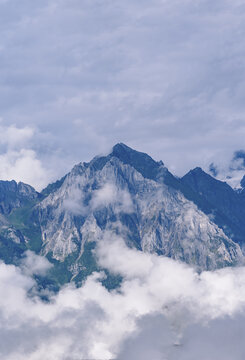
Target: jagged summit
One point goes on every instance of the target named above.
(121, 147)
(196, 219)
(198, 171)
(223, 200)
(128, 193)
(142, 162)
(198, 176)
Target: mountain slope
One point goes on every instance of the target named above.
(14, 197)
(131, 195)
(226, 205)
(125, 193)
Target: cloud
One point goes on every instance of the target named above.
(110, 194)
(15, 137)
(23, 166)
(73, 203)
(33, 264)
(160, 304)
(18, 160)
(166, 77)
(219, 339)
(207, 289)
(230, 170)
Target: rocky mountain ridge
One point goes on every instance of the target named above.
(196, 219)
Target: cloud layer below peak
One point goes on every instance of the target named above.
(162, 309)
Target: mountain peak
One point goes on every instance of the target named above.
(198, 170)
(121, 150)
(199, 173)
(139, 160)
(142, 162)
(121, 147)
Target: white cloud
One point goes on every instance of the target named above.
(230, 170)
(15, 137)
(24, 166)
(18, 160)
(166, 77)
(160, 299)
(110, 194)
(73, 202)
(33, 264)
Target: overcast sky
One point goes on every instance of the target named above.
(166, 77)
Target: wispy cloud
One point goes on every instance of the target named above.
(110, 194)
(158, 297)
(18, 159)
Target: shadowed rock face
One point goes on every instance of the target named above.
(131, 195)
(15, 195)
(141, 162)
(243, 182)
(128, 194)
(227, 205)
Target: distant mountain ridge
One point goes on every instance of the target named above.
(196, 219)
(225, 202)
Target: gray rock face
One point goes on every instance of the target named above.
(226, 205)
(15, 195)
(131, 195)
(243, 182)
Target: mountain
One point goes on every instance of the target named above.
(129, 194)
(226, 205)
(242, 191)
(13, 196)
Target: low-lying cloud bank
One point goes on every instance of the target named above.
(162, 310)
(107, 195)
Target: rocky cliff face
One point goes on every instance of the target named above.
(15, 195)
(129, 194)
(226, 205)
